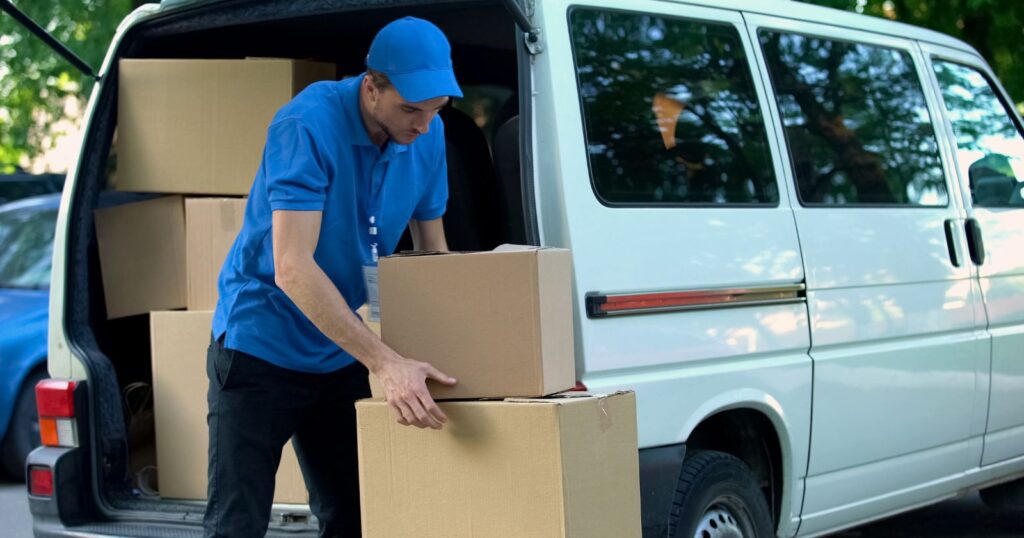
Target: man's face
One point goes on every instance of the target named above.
(401, 120)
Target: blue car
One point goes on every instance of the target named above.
(26, 245)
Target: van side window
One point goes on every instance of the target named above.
(990, 149)
(856, 122)
(670, 111)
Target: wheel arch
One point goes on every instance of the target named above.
(752, 426)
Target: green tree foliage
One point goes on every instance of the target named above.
(994, 27)
(34, 81)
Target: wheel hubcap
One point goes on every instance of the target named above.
(718, 522)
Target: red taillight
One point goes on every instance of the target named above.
(55, 398)
(580, 387)
(40, 481)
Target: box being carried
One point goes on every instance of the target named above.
(500, 322)
(563, 466)
(199, 126)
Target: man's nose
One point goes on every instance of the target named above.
(422, 125)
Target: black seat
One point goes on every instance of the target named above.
(472, 220)
(510, 191)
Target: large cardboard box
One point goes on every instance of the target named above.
(179, 344)
(142, 256)
(165, 253)
(531, 468)
(500, 322)
(211, 227)
(199, 126)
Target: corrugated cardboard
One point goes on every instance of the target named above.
(165, 253)
(199, 126)
(179, 344)
(499, 322)
(142, 254)
(553, 467)
(211, 226)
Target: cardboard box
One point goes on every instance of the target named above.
(199, 126)
(142, 256)
(179, 344)
(532, 468)
(211, 226)
(500, 322)
(165, 253)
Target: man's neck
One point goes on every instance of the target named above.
(373, 129)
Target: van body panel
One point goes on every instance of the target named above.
(1001, 274)
(685, 366)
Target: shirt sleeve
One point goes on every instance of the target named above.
(434, 200)
(293, 168)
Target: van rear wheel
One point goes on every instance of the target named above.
(718, 497)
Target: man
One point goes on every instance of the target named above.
(347, 165)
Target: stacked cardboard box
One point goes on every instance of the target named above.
(539, 465)
(530, 468)
(187, 128)
(180, 341)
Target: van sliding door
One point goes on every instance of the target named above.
(894, 317)
(989, 157)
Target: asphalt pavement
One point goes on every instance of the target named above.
(965, 517)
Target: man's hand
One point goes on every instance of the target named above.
(405, 388)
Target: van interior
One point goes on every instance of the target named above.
(485, 206)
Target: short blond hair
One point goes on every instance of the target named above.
(380, 80)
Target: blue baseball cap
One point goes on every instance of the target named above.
(416, 57)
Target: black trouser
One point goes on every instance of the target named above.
(255, 407)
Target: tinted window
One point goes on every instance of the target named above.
(670, 111)
(856, 121)
(990, 149)
(27, 237)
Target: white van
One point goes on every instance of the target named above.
(798, 235)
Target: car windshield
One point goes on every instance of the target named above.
(26, 244)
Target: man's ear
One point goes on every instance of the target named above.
(371, 91)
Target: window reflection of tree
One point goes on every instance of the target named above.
(856, 121)
(989, 146)
(670, 109)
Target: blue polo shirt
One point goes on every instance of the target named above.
(318, 157)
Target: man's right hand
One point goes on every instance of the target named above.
(405, 389)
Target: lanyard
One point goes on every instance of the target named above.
(375, 203)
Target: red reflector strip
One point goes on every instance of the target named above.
(580, 387)
(55, 398)
(664, 300)
(40, 481)
(637, 303)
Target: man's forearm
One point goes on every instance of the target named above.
(312, 291)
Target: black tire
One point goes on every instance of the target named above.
(718, 497)
(1008, 496)
(23, 432)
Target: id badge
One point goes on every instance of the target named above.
(372, 292)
